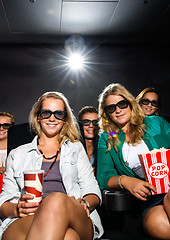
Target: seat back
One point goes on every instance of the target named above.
(18, 135)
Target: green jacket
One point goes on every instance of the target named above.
(111, 163)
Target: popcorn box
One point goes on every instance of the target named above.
(156, 165)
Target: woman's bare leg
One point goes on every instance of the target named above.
(18, 229)
(157, 220)
(71, 235)
(56, 215)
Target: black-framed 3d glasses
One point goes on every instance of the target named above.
(146, 101)
(112, 107)
(5, 125)
(86, 122)
(58, 114)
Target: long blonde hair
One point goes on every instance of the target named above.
(137, 127)
(70, 129)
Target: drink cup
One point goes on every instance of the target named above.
(33, 182)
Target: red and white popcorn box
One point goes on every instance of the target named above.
(156, 165)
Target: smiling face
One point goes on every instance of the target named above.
(91, 130)
(149, 109)
(4, 132)
(121, 117)
(51, 126)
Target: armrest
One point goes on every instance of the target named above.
(117, 200)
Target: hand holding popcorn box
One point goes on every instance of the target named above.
(156, 165)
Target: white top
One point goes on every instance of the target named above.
(131, 153)
(3, 155)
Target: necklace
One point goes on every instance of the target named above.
(127, 156)
(48, 158)
(52, 164)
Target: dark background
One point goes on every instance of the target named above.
(29, 70)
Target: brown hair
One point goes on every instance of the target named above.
(86, 109)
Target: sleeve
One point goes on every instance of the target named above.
(10, 190)
(105, 164)
(87, 181)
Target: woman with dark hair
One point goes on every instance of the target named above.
(70, 190)
(88, 121)
(126, 132)
(149, 101)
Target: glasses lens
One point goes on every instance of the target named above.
(86, 122)
(122, 104)
(5, 125)
(95, 123)
(60, 114)
(110, 109)
(154, 103)
(145, 101)
(45, 113)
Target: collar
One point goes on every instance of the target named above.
(33, 145)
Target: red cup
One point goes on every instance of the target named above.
(1, 182)
(33, 182)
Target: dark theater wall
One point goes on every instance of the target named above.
(27, 71)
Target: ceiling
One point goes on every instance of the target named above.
(49, 21)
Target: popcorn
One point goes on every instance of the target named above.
(156, 165)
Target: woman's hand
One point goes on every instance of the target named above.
(2, 170)
(24, 208)
(139, 188)
(80, 200)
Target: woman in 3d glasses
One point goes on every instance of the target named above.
(70, 190)
(126, 132)
(149, 101)
(6, 121)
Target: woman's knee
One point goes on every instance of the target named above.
(167, 198)
(156, 223)
(53, 204)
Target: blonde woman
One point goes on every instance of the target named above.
(70, 190)
(6, 121)
(125, 133)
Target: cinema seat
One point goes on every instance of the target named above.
(18, 135)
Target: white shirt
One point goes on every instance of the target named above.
(131, 153)
(3, 156)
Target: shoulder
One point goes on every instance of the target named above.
(77, 145)
(102, 142)
(103, 135)
(157, 125)
(155, 120)
(158, 120)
